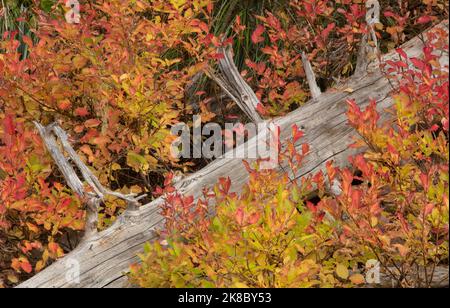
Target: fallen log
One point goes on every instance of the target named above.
(103, 259)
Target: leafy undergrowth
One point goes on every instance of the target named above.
(116, 83)
(121, 78)
(395, 210)
(33, 213)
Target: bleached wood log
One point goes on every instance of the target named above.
(310, 77)
(105, 258)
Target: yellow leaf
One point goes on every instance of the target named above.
(39, 266)
(373, 221)
(13, 278)
(32, 227)
(178, 3)
(240, 285)
(342, 271)
(116, 166)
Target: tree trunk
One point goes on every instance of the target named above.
(104, 259)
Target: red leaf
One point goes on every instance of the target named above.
(8, 124)
(403, 222)
(401, 53)
(347, 178)
(204, 27)
(296, 133)
(424, 179)
(218, 56)
(311, 206)
(375, 209)
(188, 200)
(168, 179)
(327, 30)
(256, 35)
(81, 111)
(225, 184)
(361, 164)
(356, 198)
(424, 19)
(64, 204)
(260, 108)
(305, 148)
(417, 63)
(434, 128)
(15, 264)
(444, 122)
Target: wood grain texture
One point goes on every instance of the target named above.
(232, 83)
(105, 258)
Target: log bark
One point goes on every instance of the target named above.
(104, 259)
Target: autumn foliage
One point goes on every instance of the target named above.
(33, 213)
(392, 205)
(116, 82)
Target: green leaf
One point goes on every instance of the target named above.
(3, 174)
(34, 164)
(136, 161)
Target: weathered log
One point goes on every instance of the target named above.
(91, 199)
(104, 259)
(414, 279)
(232, 83)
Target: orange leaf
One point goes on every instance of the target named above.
(254, 218)
(64, 104)
(53, 247)
(15, 264)
(26, 266)
(92, 123)
(32, 227)
(81, 111)
(240, 216)
(357, 279)
(305, 148)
